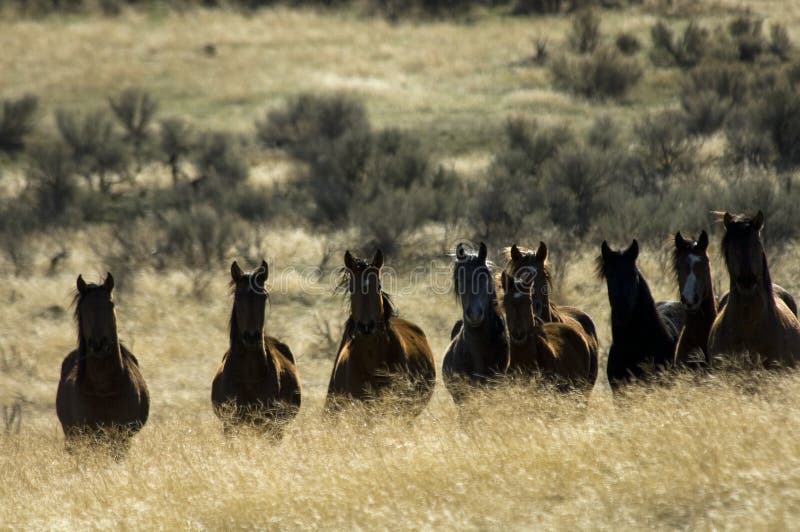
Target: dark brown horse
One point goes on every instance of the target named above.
(479, 349)
(531, 268)
(257, 383)
(557, 351)
(753, 322)
(379, 353)
(643, 339)
(693, 270)
(101, 392)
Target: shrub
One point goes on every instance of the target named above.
(176, 143)
(778, 113)
(664, 149)
(746, 32)
(134, 109)
(16, 122)
(585, 31)
(747, 144)
(51, 178)
(628, 43)
(604, 74)
(98, 153)
(604, 134)
(685, 52)
(704, 111)
(527, 148)
(541, 7)
(200, 237)
(779, 43)
(219, 162)
(577, 180)
(310, 120)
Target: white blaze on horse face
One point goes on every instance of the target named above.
(689, 289)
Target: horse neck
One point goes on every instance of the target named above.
(645, 322)
(239, 353)
(698, 323)
(492, 328)
(743, 304)
(541, 303)
(98, 369)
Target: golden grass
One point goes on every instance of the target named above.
(722, 453)
(718, 453)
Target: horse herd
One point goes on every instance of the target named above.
(523, 332)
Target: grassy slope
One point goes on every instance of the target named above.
(687, 456)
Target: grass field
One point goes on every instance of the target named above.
(721, 452)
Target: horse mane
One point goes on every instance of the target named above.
(600, 268)
(342, 287)
(740, 224)
(512, 266)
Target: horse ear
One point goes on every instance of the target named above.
(262, 273)
(605, 249)
(516, 254)
(81, 284)
(108, 284)
(377, 259)
(727, 219)
(541, 253)
(236, 272)
(633, 251)
(702, 241)
(349, 262)
(679, 240)
(758, 221)
(482, 252)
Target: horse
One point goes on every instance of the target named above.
(754, 321)
(693, 272)
(557, 351)
(531, 268)
(479, 348)
(379, 353)
(257, 383)
(101, 392)
(643, 339)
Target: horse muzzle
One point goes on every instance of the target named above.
(747, 284)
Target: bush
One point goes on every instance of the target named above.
(628, 43)
(200, 237)
(528, 147)
(685, 52)
(704, 111)
(97, 152)
(310, 120)
(176, 143)
(604, 134)
(219, 162)
(51, 178)
(664, 149)
(541, 7)
(134, 109)
(746, 32)
(779, 43)
(16, 122)
(747, 144)
(576, 181)
(604, 74)
(778, 113)
(585, 32)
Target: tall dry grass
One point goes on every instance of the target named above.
(720, 452)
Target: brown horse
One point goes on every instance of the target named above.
(101, 393)
(257, 383)
(558, 351)
(753, 322)
(532, 270)
(379, 352)
(479, 349)
(693, 270)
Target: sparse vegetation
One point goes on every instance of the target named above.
(408, 136)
